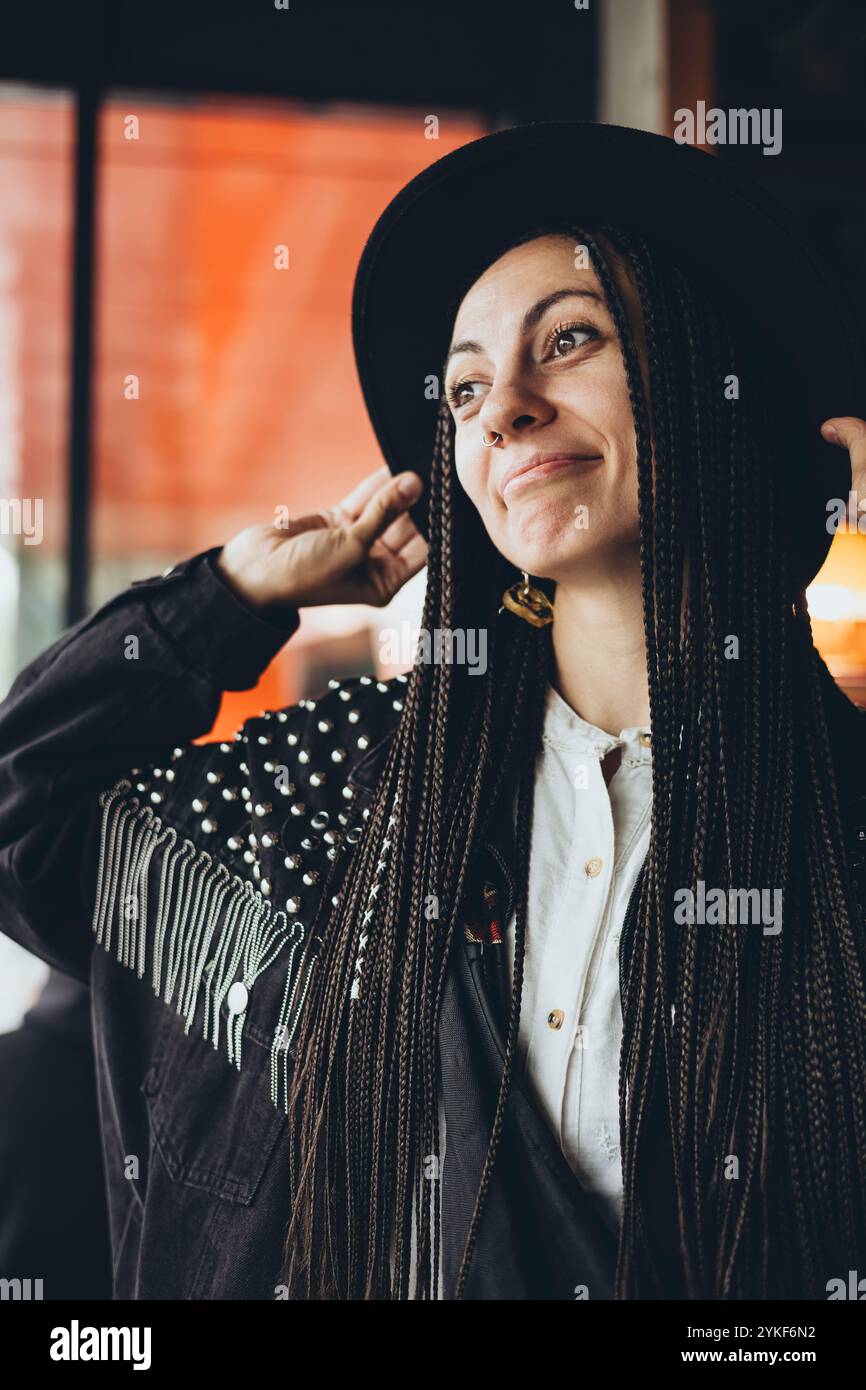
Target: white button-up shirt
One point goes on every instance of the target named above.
(588, 842)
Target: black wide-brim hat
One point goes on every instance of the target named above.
(449, 222)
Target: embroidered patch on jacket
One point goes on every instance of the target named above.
(485, 928)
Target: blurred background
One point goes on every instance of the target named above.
(185, 191)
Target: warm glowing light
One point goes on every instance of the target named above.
(836, 603)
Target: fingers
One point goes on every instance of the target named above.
(313, 521)
(355, 501)
(414, 555)
(399, 533)
(849, 431)
(385, 506)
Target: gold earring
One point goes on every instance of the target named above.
(528, 603)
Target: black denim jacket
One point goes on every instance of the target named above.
(176, 879)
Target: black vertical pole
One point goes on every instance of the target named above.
(83, 311)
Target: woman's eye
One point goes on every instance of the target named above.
(456, 395)
(568, 334)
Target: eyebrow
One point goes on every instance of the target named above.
(529, 320)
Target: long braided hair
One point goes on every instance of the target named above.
(756, 1043)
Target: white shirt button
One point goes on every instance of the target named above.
(593, 867)
(555, 1019)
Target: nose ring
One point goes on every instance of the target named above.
(488, 443)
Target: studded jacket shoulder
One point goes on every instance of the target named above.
(195, 866)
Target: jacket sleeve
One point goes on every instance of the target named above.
(131, 685)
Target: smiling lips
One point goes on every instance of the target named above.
(540, 466)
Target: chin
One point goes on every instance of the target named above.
(545, 540)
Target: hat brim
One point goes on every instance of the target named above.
(447, 224)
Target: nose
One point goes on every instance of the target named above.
(511, 409)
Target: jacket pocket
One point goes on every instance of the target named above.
(215, 1126)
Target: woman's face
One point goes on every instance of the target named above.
(535, 357)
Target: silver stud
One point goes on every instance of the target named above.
(343, 817)
(297, 808)
(366, 812)
(282, 716)
(316, 779)
(226, 748)
(292, 739)
(269, 839)
(214, 777)
(249, 856)
(363, 741)
(234, 843)
(209, 825)
(200, 804)
(244, 769)
(332, 837)
(169, 774)
(380, 685)
(230, 793)
(246, 793)
(333, 684)
(320, 820)
(348, 793)
(398, 704)
(311, 877)
(263, 808)
(293, 904)
(257, 873)
(178, 752)
(268, 765)
(354, 715)
(265, 887)
(332, 853)
(310, 842)
(303, 756)
(293, 861)
(252, 841)
(325, 726)
(353, 835)
(366, 680)
(345, 694)
(156, 797)
(338, 755)
(265, 739)
(248, 807)
(286, 788)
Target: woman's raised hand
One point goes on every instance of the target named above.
(360, 551)
(849, 432)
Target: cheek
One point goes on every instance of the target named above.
(604, 403)
(472, 477)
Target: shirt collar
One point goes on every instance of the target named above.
(567, 729)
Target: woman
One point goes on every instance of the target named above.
(609, 501)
